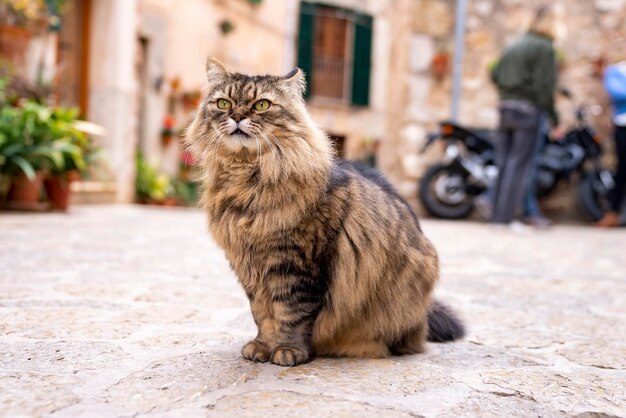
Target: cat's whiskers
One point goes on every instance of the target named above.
(206, 149)
(257, 131)
(220, 130)
(214, 140)
(277, 144)
(211, 135)
(216, 137)
(219, 134)
(214, 160)
(270, 144)
(258, 152)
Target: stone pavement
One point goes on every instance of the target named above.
(119, 311)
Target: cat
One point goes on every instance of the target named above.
(332, 259)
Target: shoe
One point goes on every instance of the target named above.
(609, 220)
(518, 227)
(484, 207)
(538, 222)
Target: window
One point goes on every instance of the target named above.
(334, 50)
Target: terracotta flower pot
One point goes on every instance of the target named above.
(14, 44)
(439, 64)
(166, 140)
(24, 193)
(58, 190)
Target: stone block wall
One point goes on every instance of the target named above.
(593, 31)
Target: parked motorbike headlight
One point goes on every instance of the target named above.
(452, 151)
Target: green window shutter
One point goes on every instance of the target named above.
(305, 42)
(361, 60)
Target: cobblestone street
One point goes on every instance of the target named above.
(120, 311)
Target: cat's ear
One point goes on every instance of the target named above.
(295, 81)
(215, 71)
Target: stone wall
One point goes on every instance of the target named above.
(594, 31)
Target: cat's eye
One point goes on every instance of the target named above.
(224, 104)
(262, 105)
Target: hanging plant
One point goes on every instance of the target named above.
(255, 2)
(32, 13)
(226, 26)
(598, 65)
(440, 61)
(439, 65)
(19, 19)
(191, 99)
(167, 132)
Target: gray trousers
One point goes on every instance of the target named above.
(516, 142)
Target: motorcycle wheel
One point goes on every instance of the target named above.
(443, 192)
(592, 203)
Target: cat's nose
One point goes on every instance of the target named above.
(237, 118)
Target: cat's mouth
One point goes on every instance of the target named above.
(238, 131)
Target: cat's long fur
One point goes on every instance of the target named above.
(332, 259)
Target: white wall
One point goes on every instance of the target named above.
(112, 87)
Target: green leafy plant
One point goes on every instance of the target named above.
(21, 147)
(28, 12)
(185, 190)
(74, 145)
(35, 137)
(150, 185)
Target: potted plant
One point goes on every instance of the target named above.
(19, 19)
(36, 143)
(25, 154)
(75, 148)
(152, 187)
(15, 33)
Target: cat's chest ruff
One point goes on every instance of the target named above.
(242, 217)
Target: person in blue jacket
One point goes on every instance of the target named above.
(615, 84)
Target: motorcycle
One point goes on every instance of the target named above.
(449, 189)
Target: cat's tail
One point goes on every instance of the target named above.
(443, 324)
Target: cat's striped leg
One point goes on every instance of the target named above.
(296, 301)
(412, 342)
(260, 349)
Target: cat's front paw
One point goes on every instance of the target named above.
(256, 352)
(288, 356)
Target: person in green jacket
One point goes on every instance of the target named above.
(526, 78)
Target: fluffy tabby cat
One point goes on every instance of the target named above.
(332, 259)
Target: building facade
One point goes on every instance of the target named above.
(143, 62)
(379, 71)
